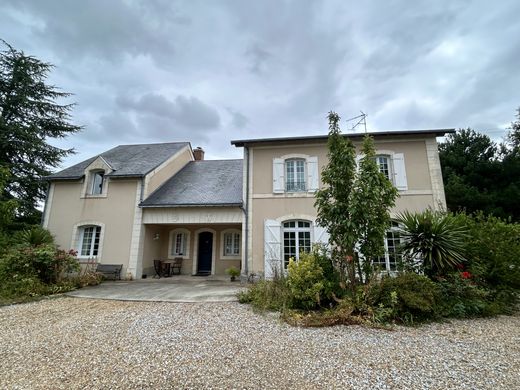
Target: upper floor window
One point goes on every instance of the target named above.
(179, 243)
(89, 237)
(231, 244)
(393, 166)
(296, 239)
(295, 175)
(97, 179)
(384, 166)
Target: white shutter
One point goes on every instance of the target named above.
(272, 248)
(321, 235)
(400, 172)
(312, 174)
(278, 175)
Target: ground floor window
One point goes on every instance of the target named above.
(296, 239)
(89, 240)
(393, 254)
(179, 242)
(231, 244)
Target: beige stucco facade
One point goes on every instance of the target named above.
(134, 236)
(424, 188)
(68, 208)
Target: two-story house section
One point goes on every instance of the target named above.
(134, 204)
(281, 176)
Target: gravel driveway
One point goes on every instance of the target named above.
(70, 343)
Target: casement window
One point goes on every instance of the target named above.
(97, 179)
(296, 239)
(383, 162)
(393, 254)
(295, 178)
(179, 243)
(89, 241)
(393, 167)
(295, 173)
(231, 244)
(288, 239)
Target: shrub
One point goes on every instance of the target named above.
(461, 297)
(493, 250)
(439, 239)
(306, 281)
(410, 297)
(44, 262)
(268, 295)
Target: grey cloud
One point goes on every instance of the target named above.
(238, 120)
(188, 112)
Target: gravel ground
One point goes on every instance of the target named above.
(70, 343)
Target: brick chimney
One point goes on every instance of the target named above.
(198, 153)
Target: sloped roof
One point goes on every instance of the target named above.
(126, 160)
(201, 183)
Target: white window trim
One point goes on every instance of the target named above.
(171, 243)
(222, 245)
(77, 238)
(296, 229)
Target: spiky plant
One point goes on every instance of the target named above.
(36, 236)
(435, 237)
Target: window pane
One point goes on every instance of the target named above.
(304, 224)
(87, 241)
(289, 247)
(295, 175)
(178, 247)
(96, 241)
(382, 162)
(304, 242)
(97, 183)
(289, 224)
(90, 236)
(236, 244)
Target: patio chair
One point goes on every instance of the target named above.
(176, 265)
(158, 267)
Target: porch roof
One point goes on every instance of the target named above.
(201, 183)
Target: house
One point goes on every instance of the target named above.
(136, 203)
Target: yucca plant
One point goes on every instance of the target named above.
(36, 236)
(437, 238)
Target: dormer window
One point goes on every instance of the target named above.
(97, 182)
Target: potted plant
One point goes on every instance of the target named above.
(233, 272)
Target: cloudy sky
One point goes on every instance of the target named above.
(215, 70)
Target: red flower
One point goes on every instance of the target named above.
(465, 275)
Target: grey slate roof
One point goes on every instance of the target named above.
(201, 183)
(126, 160)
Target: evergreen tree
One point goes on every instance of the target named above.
(353, 206)
(30, 115)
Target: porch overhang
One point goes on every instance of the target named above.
(192, 215)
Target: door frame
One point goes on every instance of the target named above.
(196, 249)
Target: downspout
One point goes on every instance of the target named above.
(246, 211)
